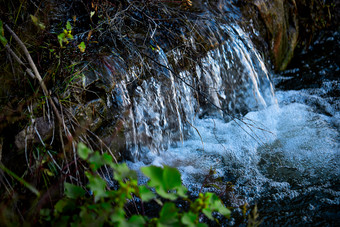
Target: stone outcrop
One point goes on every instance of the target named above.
(281, 29)
(285, 24)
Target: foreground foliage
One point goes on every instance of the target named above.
(97, 205)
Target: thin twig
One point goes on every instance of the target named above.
(35, 70)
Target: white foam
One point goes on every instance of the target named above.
(290, 143)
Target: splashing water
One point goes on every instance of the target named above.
(283, 154)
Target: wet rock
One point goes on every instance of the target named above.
(281, 30)
(288, 25)
(91, 114)
(116, 140)
(40, 130)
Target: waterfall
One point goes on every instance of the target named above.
(229, 81)
(219, 111)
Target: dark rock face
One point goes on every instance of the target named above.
(39, 130)
(280, 18)
(278, 21)
(284, 25)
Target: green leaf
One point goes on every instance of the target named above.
(168, 215)
(96, 161)
(82, 47)
(45, 214)
(189, 219)
(216, 205)
(136, 221)
(3, 40)
(61, 38)
(106, 206)
(208, 213)
(122, 171)
(1, 29)
(34, 19)
(97, 185)
(171, 177)
(118, 217)
(2, 34)
(145, 193)
(21, 180)
(37, 23)
(73, 191)
(182, 191)
(155, 174)
(41, 26)
(59, 206)
(83, 150)
(201, 225)
(68, 26)
(164, 181)
(107, 159)
(64, 205)
(69, 36)
(166, 195)
(87, 218)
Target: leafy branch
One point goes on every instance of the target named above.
(109, 206)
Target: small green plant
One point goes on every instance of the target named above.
(95, 204)
(37, 22)
(66, 35)
(82, 47)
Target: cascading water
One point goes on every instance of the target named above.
(229, 81)
(222, 114)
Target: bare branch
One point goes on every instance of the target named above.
(35, 70)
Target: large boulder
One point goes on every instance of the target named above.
(286, 24)
(281, 27)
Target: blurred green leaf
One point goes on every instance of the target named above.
(69, 36)
(61, 38)
(63, 206)
(73, 191)
(155, 174)
(97, 185)
(189, 219)
(216, 204)
(165, 180)
(2, 34)
(82, 47)
(208, 213)
(136, 221)
(145, 193)
(68, 26)
(107, 159)
(168, 215)
(21, 180)
(96, 161)
(83, 151)
(37, 22)
(122, 172)
(171, 177)
(34, 19)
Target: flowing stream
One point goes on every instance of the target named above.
(280, 150)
